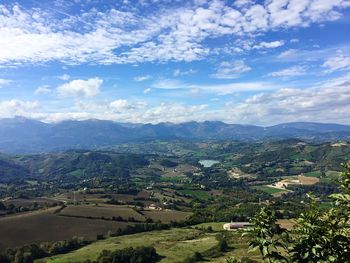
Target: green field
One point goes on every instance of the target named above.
(174, 179)
(332, 174)
(267, 189)
(313, 174)
(175, 245)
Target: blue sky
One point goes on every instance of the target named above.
(243, 61)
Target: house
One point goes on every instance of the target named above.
(236, 225)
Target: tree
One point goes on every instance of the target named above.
(325, 236)
(265, 238)
(131, 255)
(223, 246)
(319, 236)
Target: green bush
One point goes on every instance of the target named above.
(130, 255)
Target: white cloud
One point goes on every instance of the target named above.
(43, 89)
(178, 34)
(231, 88)
(218, 89)
(326, 102)
(172, 112)
(64, 77)
(312, 55)
(118, 105)
(81, 88)
(337, 62)
(329, 102)
(148, 90)
(288, 53)
(12, 108)
(179, 72)
(142, 78)
(231, 70)
(289, 72)
(273, 44)
(242, 3)
(136, 112)
(4, 82)
(168, 84)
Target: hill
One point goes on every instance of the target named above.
(72, 164)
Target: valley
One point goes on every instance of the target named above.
(83, 200)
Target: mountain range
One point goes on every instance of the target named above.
(22, 135)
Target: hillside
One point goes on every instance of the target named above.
(73, 164)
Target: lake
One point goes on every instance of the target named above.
(208, 163)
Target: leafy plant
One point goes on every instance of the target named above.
(319, 236)
(265, 233)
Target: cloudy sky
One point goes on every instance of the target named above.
(238, 61)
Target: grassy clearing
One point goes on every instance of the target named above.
(333, 174)
(329, 173)
(267, 189)
(313, 174)
(175, 245)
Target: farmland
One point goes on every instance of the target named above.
(45, 225)
(166, 216)
(161, 200)
(102, 211)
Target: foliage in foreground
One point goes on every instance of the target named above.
(319, 236)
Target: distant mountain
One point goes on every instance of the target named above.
(21, 135)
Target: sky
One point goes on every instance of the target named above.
(151, 61)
